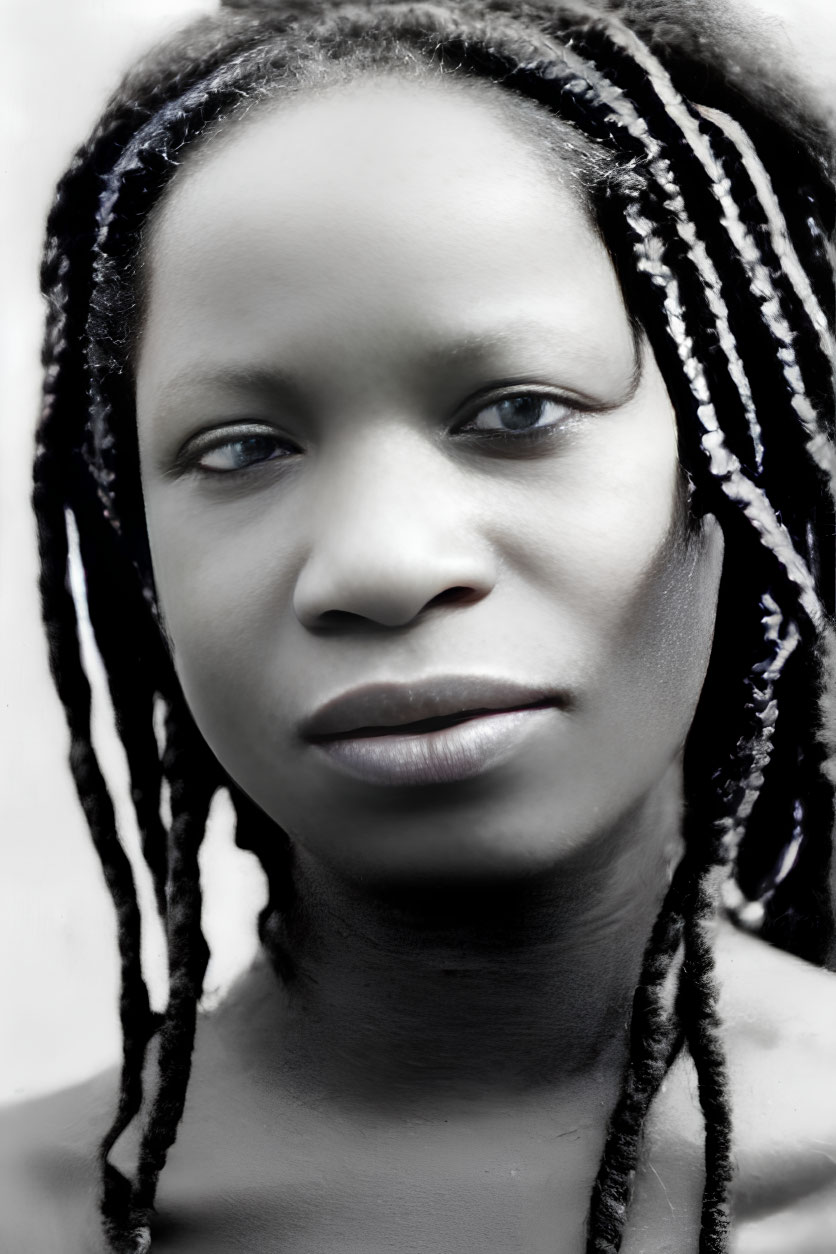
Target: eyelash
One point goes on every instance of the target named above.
(522, 437)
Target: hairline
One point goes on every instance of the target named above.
(546, 135)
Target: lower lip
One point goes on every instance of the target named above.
(439, 757)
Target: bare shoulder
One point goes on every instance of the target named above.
(779, 1034)
(48, 1171)
(779, 1016)
(768, 991)
(780, 1025)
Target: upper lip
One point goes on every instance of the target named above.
(396, 704)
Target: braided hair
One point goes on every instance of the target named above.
(715, 198)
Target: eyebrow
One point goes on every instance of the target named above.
(249, 377)
(271, 381)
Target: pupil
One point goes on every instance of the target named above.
(519, 412)
(253, 448)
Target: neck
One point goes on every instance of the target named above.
(454, 992)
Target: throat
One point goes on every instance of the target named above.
(444, 996)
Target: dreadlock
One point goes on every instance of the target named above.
(714, 195)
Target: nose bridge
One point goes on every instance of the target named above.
(389, 532)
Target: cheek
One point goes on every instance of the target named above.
(650, 644)
(664, 628)
(630, 593)
(641, 586)
(603, 543)
(223, 597)
(651, 586)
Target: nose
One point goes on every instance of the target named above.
(389, 541)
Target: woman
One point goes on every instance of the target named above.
(454, 478)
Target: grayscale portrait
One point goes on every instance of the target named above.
(422, 787)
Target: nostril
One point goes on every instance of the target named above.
(377, 617)
(342, 620)
(454, 596)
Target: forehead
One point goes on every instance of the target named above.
(384, 199)
(352, 133)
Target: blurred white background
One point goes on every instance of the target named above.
(58, 965)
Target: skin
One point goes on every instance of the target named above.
(392, 545)
(440, 1073)
(392, 539)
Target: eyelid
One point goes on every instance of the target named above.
(188, 456)
(488, 397)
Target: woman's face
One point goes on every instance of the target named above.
(404, 461)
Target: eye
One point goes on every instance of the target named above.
(224, 452)
(519, 415)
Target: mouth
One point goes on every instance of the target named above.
(422, 726)
(436, 732)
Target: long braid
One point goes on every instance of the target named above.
(589, 83)
(66, 281)
(680, 282)
(133, 680)
(583, 82)
(193, 781)
(784, 453)
(259, 835)
(126, 1207)
(801, 364)
(700, 1021)
(763, 708)
(67, 291)
(687, 910)
(818, 429)
(655, 1039)
(136, 1019)
(702, 1032)
(781, 240)
(761, 282)
(57, 480)
(697, 1006)
(782, 551)
(650, 1051)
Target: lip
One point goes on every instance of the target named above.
(374, 708)
(390, 734)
